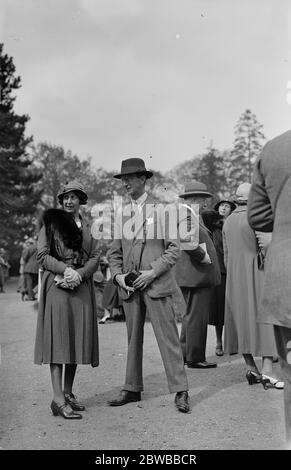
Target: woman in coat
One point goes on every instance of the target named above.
(67, 320)
(214, 220)
(244, 284)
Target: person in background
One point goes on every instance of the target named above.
(67, 331)
(3, 267)
(244, 282)
(214, 221)
(30, 268)
(21, 288)
(269, 210)
(100, 283)
(197, 271)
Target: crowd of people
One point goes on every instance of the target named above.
(226, 274)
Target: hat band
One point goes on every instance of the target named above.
(133, 169)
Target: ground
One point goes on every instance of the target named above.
(226, 413)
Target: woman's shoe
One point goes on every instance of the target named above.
(273, 382)
(219, 351)
(72, 401)
(254, 378)
(64, 410)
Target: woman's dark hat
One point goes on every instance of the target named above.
(195, 188)
(73, 186)
(131, 166)
(227, 201)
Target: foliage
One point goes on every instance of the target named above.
(247, 146)
(18, 175)
(211, 172)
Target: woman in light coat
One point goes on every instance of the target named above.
(244, 282)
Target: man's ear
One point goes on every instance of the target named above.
(143, 178)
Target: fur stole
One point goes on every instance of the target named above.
(212, 219)
(61, 222)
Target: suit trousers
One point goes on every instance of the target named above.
(283, 342)
(161, 314)
(195, 323)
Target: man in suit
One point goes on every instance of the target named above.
(142, 242)
(269, 210)
(197, 270)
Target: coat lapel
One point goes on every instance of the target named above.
(147, 213)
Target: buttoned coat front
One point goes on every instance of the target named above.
(160, 250)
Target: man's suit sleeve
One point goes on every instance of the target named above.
(260, 213)
(172, 246)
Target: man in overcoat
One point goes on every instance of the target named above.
(142, 243)
(269, 210)
(197, 270)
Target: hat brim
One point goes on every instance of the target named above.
(231, 203)
(83, 201)
(147, 173)
(205, 194)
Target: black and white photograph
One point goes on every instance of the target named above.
(145, 228)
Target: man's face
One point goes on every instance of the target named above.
(134, 185)
(199, 200)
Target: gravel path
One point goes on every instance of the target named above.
(226, 412)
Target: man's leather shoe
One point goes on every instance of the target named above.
(182, 402)
(201, 365)
(125, 397)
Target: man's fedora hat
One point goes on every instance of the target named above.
(195, 188)
(225, 201)
(131, 166)
(76, 187)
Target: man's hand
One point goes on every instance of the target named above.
(119, 278)
(144, 279)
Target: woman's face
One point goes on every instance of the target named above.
(224, 209)
(71, 203)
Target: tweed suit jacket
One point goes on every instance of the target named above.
(160, 252)
(269, 210)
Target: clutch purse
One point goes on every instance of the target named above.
(131, 277)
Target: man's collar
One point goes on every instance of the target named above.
(141, 200)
